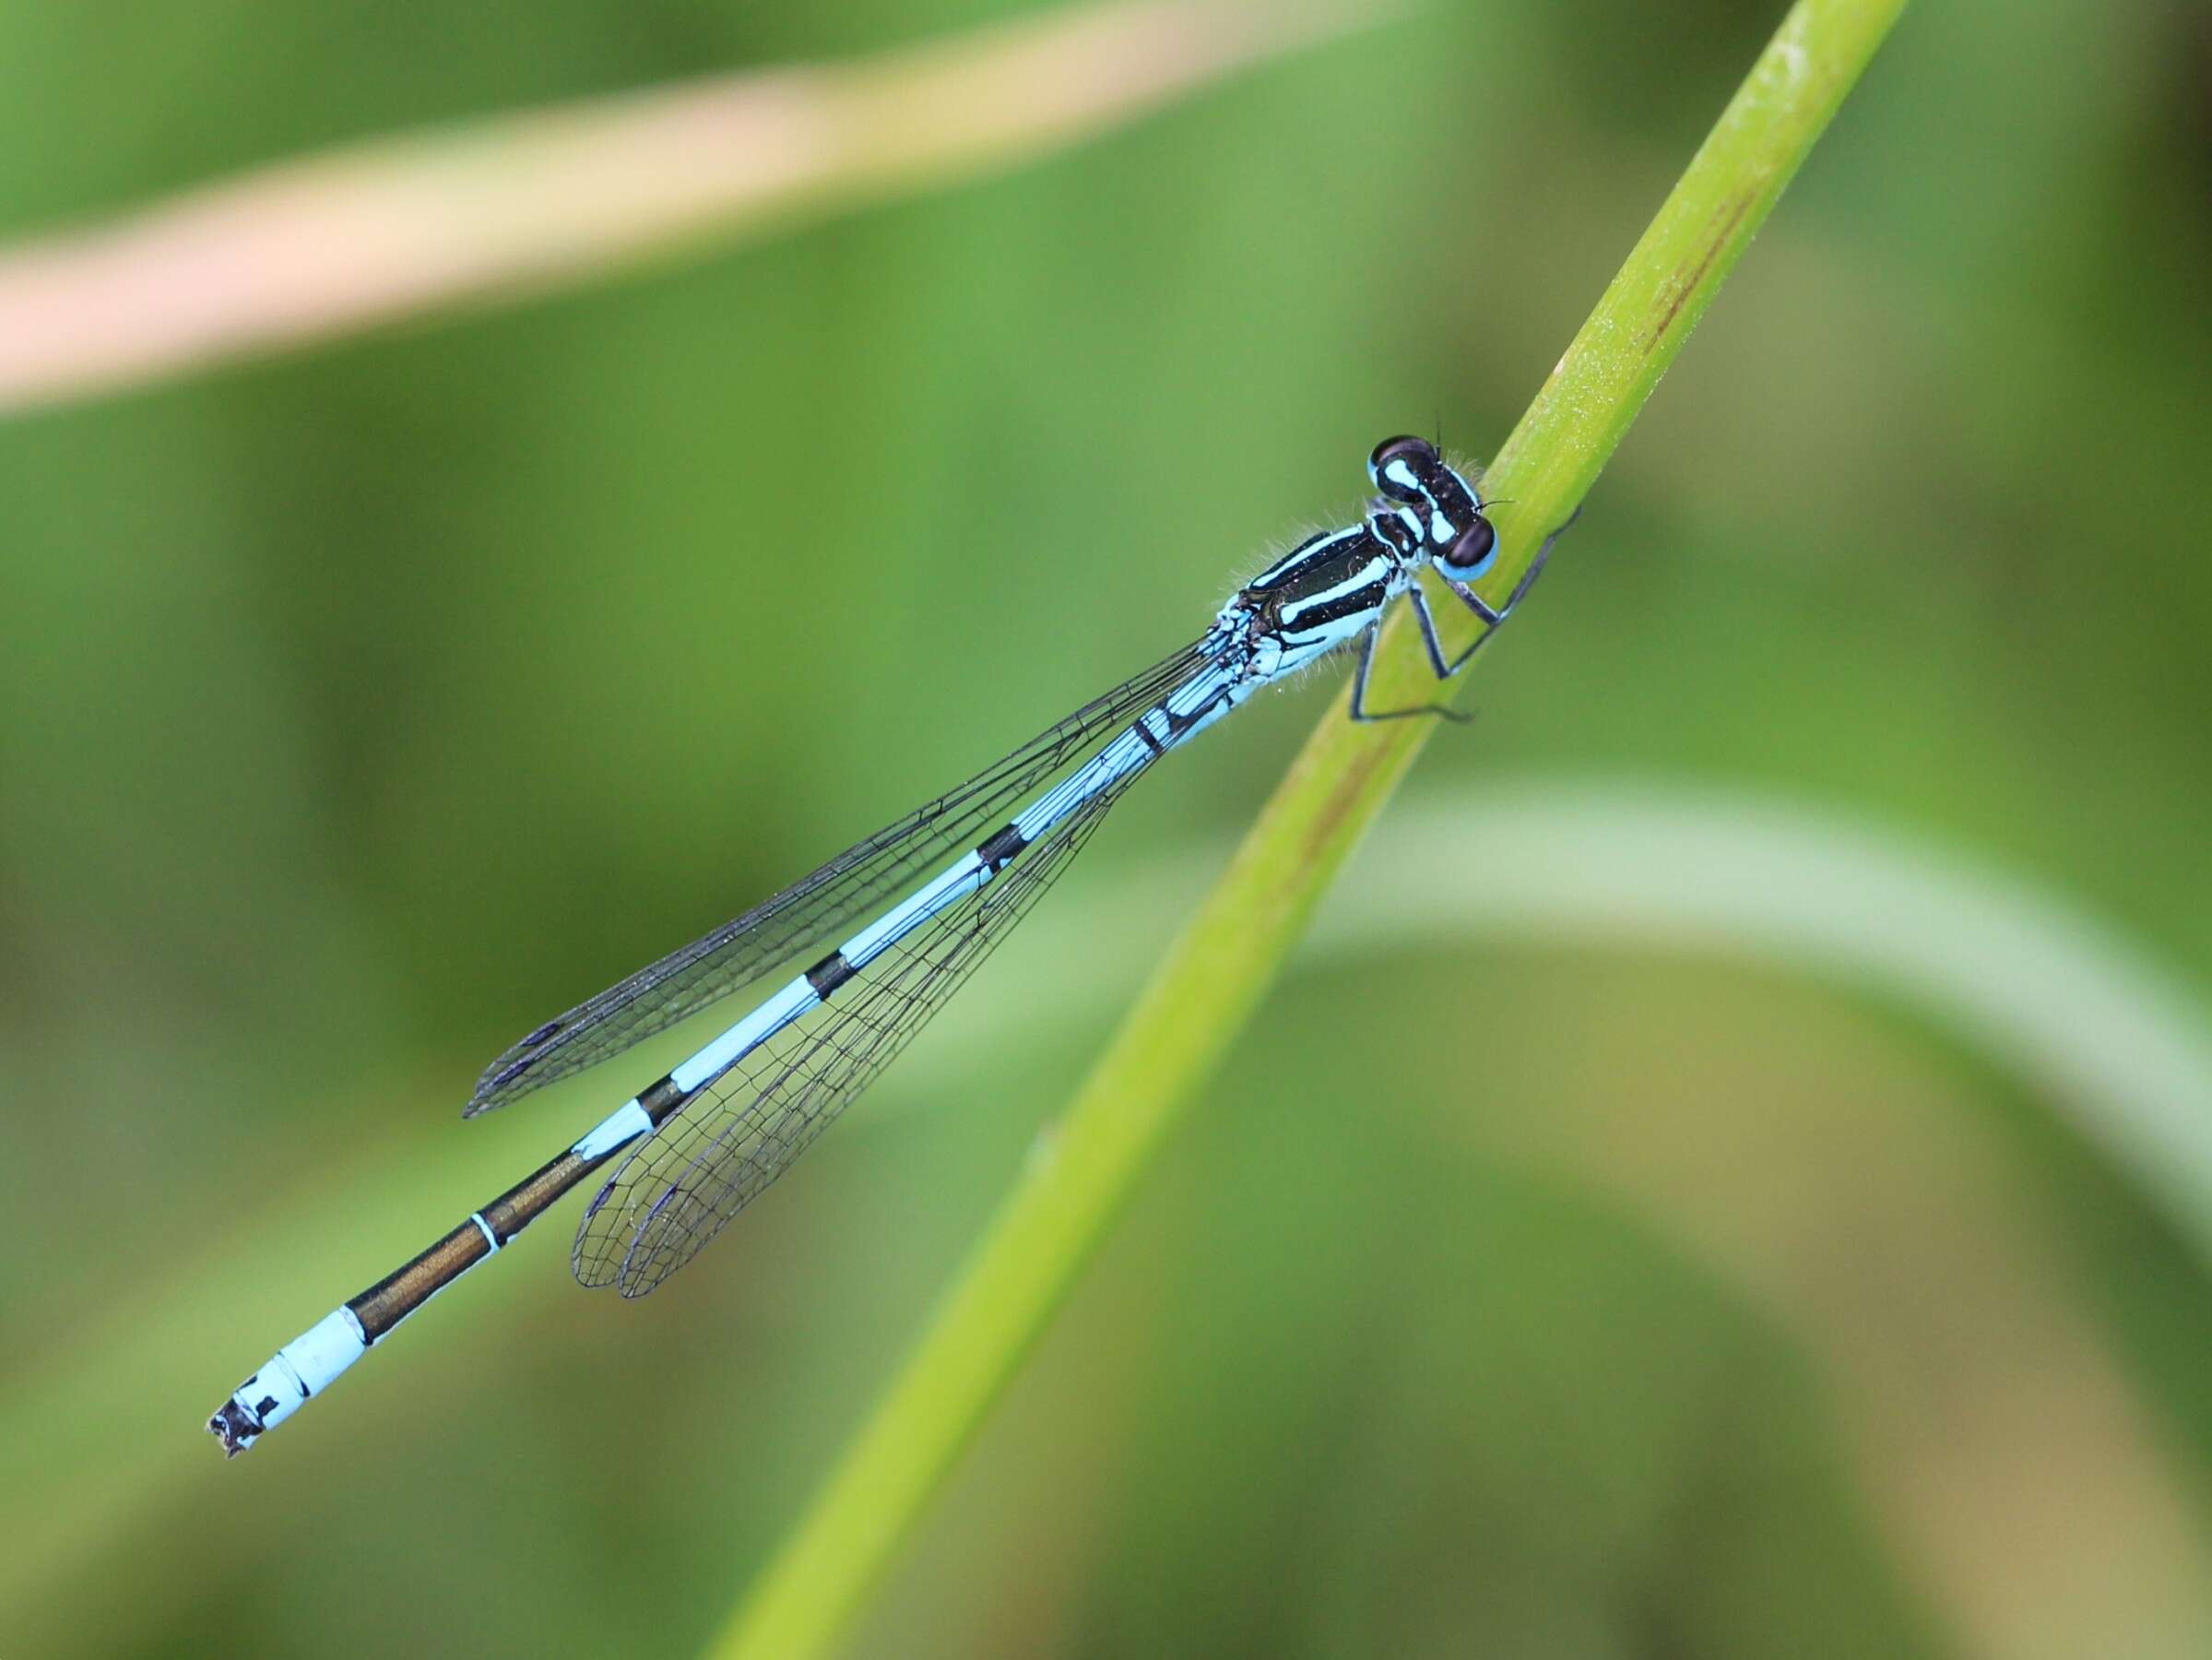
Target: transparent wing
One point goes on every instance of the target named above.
(681, 1185)
(813, 911)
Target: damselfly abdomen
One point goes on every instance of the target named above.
(944, 883)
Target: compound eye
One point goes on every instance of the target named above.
(1400, 466)
(1470, 550)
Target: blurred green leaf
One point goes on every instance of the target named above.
(2032, 983)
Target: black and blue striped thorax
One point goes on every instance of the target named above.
(1330, 588)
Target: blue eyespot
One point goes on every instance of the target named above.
(1402, 467)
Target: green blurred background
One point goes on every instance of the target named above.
(364, 706)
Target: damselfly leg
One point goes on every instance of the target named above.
(1492, 617)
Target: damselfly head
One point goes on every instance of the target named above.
(1400, 468)
(1448, 510)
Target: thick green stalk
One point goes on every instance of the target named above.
(1221, 966)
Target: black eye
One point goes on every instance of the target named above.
(1415, 458)
(1472, 549)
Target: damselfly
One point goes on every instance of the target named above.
(698, 1144)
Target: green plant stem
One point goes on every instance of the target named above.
(1221, 966)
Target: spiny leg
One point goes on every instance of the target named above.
(1360, 712)
(1495, 616)
(1492, 617)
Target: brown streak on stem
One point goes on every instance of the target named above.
(1345, 793)
(1738, 205)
